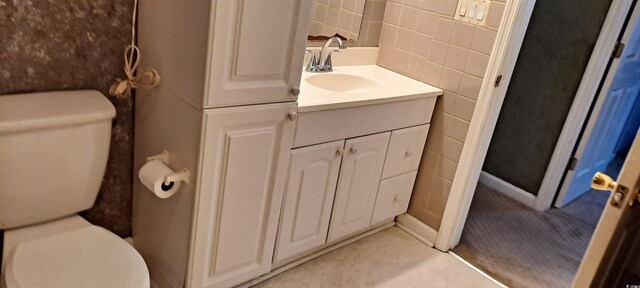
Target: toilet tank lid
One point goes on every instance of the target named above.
(22, 112)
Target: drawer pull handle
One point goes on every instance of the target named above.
(396, 198)
(293, 116)
(295, 91)
(353, 150)
(339, 152)
(408, 153)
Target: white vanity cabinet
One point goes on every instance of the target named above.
(244, 165)
(337, 190)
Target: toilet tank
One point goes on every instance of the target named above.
(54, 148)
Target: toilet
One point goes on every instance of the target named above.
(53, 153)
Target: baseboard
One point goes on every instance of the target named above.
(508, 189)
(417, 229)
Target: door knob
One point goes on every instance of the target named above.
(603, 182)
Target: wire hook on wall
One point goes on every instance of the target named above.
(147, 78)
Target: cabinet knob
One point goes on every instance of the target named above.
(408, 153)
(292, 116)
(396, 198)
(353, 150)
(295, 91)
(339, 152)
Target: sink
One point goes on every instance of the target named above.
(351, 86)
(345, 83)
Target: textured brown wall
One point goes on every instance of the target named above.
(68, 45)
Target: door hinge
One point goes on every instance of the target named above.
(617, 50)
(573, 162)
(497, 82)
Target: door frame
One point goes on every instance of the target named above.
(602, 96)
(502, 63)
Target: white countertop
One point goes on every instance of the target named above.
(391, 87)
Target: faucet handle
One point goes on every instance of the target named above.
(328, 64)
(313, 62)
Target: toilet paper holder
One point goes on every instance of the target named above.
(175, 177)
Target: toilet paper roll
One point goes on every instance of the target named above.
(153, 175)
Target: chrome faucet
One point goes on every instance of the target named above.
(322, 63)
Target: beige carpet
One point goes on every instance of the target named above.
(522, 247)
(390, 258)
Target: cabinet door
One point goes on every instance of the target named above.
(358, 185)
(308, 199)
(245, 155)
(257, 51)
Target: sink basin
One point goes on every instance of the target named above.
(345, 83)
(351, 86)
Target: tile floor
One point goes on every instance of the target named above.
(390, 258)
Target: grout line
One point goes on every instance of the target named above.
(454, 116)
(494, 280)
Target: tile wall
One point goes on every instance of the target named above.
(420, 39)
(371, 22)
(329, 17)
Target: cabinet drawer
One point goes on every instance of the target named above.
(393, 197)
(405, 150)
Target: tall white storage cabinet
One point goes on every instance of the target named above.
(225, 110)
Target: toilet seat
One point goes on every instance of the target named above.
(86, 257)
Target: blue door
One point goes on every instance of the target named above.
(617, 118)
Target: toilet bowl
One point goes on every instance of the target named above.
(71, 253)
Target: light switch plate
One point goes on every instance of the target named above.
(473, 11)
